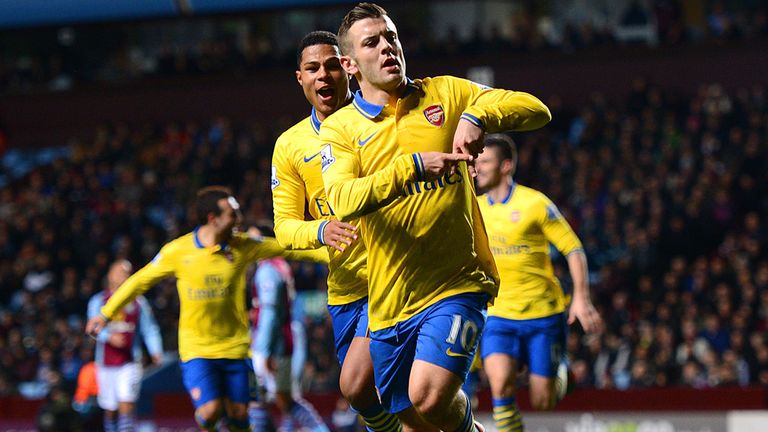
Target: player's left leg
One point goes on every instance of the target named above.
(546, 355)
(350, 324)
(239, 389)
(128, 386)
(446, 345)
(288, 397)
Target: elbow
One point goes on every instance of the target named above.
(541, 116)
(283, 236)
(343, 213)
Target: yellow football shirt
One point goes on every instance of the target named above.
(213, 322)
(520, 228)
(426, 240)
(298, 183)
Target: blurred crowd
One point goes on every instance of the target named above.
(56, 59)
(670, 198)
(667, 192)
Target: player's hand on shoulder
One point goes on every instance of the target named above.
(438, 164)
(339, 235)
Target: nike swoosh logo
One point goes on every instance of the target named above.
(455, 354)
(365, 141)
(307, 159)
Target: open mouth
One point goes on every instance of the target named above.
(326, 93)
(391, 64)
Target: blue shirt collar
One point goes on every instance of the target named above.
(200, 245)
(507, 197)
(196, 239)
(316, 123)
(370, 110)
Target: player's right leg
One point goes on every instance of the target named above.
(420, 364)
(500, 347)
(203, 381)
(350, 327)
(447, 340)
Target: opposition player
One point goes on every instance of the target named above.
(386, 159)
(209, 264)
(275, 340)
(118, 351)
(527, 323)
(297, 183)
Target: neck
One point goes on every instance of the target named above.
(207, 236)
(322, 116)
(499, 192)
(379, 96)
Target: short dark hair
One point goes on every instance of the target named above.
(358, 13)
(207, 202)
(504, 143)
(317, 37)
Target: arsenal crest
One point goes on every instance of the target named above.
(435, 115)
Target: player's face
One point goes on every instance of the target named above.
(226, 222)
(117, 274)
(491, 168)
(324, 81)
(377, 56)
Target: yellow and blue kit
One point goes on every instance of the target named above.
(426, 240)
(527, 319)
(213, 322)
(297, 184)
(430, 269)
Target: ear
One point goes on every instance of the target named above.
(349, 65)
(508, 166)
(298, 77)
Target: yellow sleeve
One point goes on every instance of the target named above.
(161, 266)
(352, 196)
(267, 247)
(556, 229)
(498, 110)
(319, 255)
(288, 201)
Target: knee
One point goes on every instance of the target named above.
(238, 412)
(208, 414)
(430, 404)
(356, 385)
(542, 401)
(358, 390)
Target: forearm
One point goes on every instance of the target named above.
(299, 234)
(503, 110)
(577, 266)
(354, 197)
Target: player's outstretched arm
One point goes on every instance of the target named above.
(268, 247)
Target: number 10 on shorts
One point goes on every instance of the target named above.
(465, 332)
